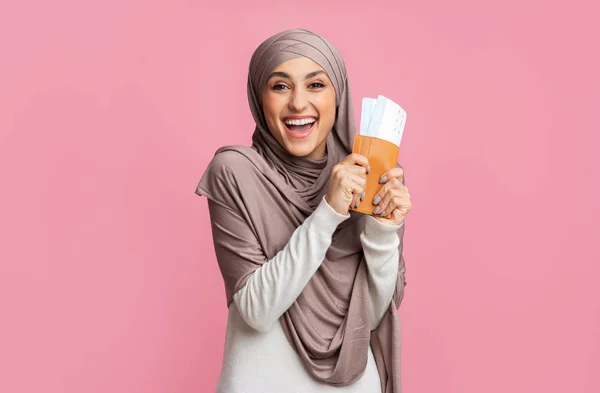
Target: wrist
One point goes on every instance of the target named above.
(325, 219)
(380, 235)
(333, 206)
(389, 221)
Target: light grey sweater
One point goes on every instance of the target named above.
(258, 357)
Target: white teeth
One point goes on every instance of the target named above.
(299, 122)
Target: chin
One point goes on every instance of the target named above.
(309, 144)
(300, 149)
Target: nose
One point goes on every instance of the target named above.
(298, 100)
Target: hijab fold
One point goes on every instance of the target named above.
(329, 323)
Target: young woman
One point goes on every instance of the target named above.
(312, 288)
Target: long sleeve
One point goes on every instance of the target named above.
(380, 245)
(275, 284)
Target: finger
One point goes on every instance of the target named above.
(398, 216)
(356, 201)
(394, 173)
(388, 202)
(358, 198)
(390, 185)
(359, 178)
(341, 170)
(353, 185)
(399, 204)
(356, 169)
(345, 172)
(395, 198)
(359, 191)
(356, 159)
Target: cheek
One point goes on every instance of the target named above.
(271, 108)
(327, 109)
(267, 105)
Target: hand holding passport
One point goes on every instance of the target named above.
(381, 128)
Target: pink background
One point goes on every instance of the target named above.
(110, 111)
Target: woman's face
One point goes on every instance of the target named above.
(299, 106)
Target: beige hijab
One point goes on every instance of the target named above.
(329, 323)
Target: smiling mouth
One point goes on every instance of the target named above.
(299, 131)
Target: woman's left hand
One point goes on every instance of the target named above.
(393, 198)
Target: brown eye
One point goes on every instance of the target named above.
(279, 86)
(317, 85)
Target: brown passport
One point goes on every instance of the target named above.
(383, 156)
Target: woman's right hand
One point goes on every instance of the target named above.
(347, 183)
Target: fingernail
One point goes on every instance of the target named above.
(368, 169)
(382, 214)
(383, 179)
(377, 200)
(362, 196)
(376, 210)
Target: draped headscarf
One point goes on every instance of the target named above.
(329, 323)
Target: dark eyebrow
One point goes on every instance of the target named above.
(313, 74)
(287, 76)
